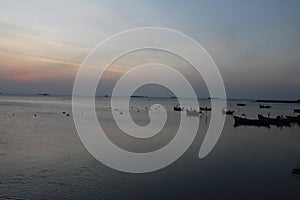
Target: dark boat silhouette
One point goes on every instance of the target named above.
(240, 121)
(204, 109)
(296, 110)
(296, 171)
(278, 121)
(240, 104)
(177, 108)
(264, 106)
(227, 112)
(43, 94)
(294, 119)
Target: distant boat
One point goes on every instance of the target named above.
(278, 121)
(44, 94)
(296, 110)
(264, 106)
(205, 109)
(240, 104)
(177, 108)
(239, 121)
(227, 112)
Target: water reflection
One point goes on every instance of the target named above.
(42, 157)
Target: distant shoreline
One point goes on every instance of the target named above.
(278, 101)
(166, 97)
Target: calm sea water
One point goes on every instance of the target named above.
(41, 157)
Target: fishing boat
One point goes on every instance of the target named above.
(177, 108)
(227, 112)
(278, 121)
(239, 121)
(192, 112)
(205, 109)
(294, 119)
(296, 110)
(240, 104)
(296, 171)
(264, 106)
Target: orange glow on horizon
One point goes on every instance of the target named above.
(25, 78)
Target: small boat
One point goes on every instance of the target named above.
(296, 110)
(296, 171)
(192, 112)
(264, 106)
(278, 121)
(239, 121)
(293, 119)
(227, 112)
(177, 108)
(205, 109)
(240, 104)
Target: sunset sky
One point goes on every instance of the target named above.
(255, 44)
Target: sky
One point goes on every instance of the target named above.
(255, 44)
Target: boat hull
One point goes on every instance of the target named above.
(275, 121)
(239, 121)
